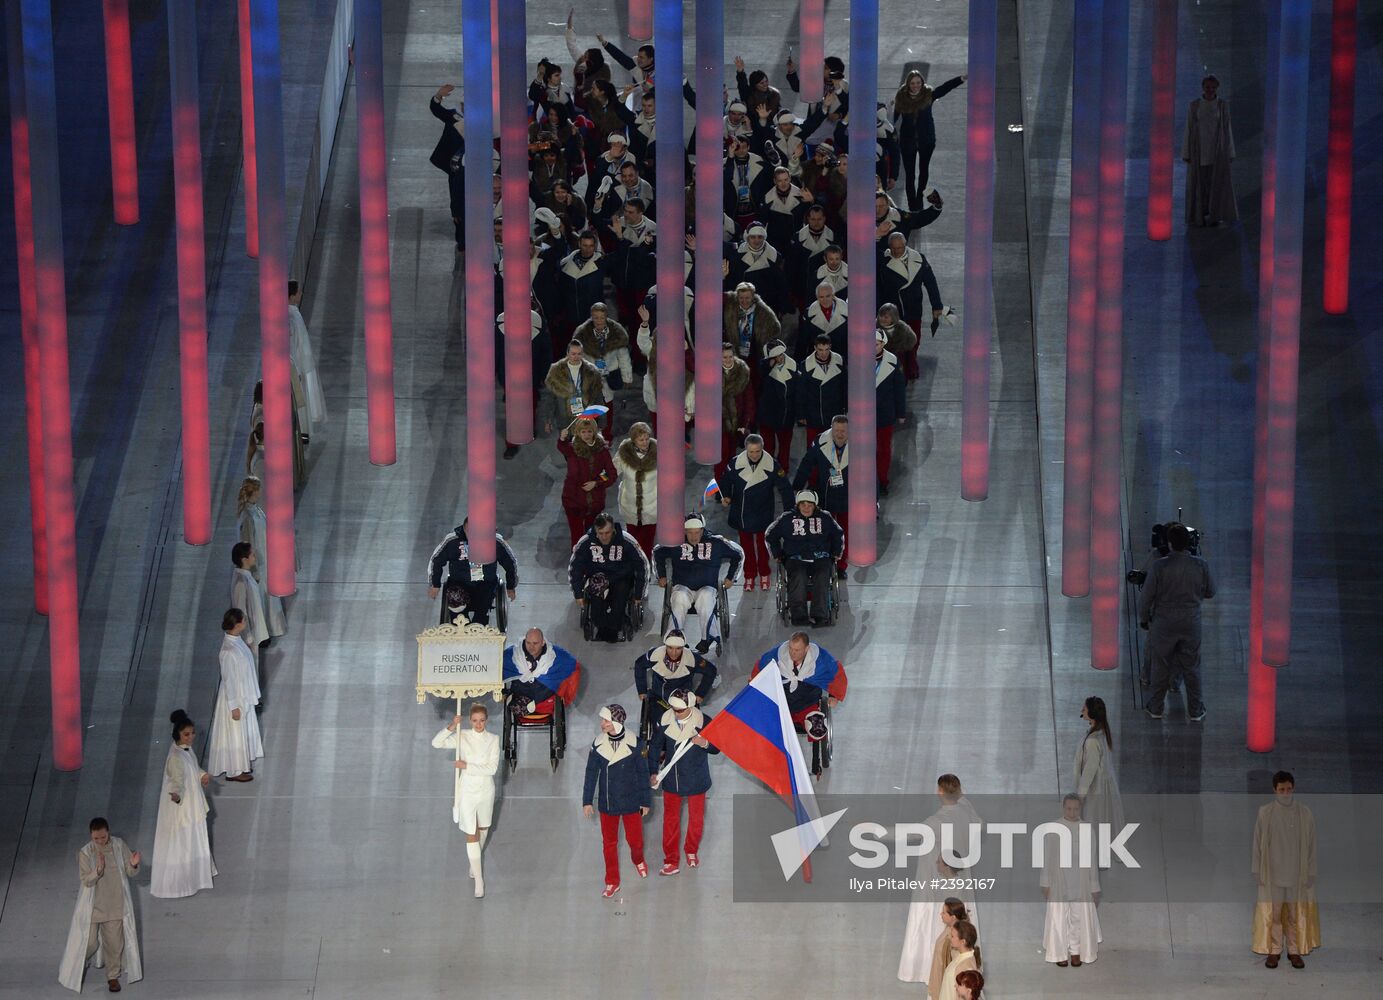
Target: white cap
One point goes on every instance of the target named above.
(756, 228)
(738, 106)
(694, 521)
(806, 496)
(675, 639)
(680, 701)
(775, 350)
(617, 137)
(787, 115)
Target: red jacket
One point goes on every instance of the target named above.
(596, 465)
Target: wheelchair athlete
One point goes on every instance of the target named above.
(694, 568)
(607, 572)
(807, 541)
(666, 668)
(807, 671)
(536, 671)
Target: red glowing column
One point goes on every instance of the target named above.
(273, 296)
(812, 36)
(859, 206)
(192, 332)
(1160, 120)
(1339, 173)
(672, 226)
(247, 130)
(979, 250)
(374, 231)
(1262, 682)
(124, 170)
(1106, 530)
(64, 647)
(518, 284)
(641, 21)
(477, 58)
(1279, 499)
(710, 76)
(1082, 265)
(28, 300)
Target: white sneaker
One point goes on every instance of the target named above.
(479, 887)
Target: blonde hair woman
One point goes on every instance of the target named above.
(637, 463)
(254, 529)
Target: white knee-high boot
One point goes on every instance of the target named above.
(473, 853)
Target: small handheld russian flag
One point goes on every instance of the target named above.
(594, 411)
(712, 491)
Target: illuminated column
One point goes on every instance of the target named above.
(1106, 530)
(374, 230)
(859, 206)
(124, 170)
(64, 647)
(641, 22)
(1339, 171)
(28, 299)
(1280, 484)
(671, 180)
(183, 92)
(1262, 682)
(480, 280)
(1161, 141)
(247, 130)
(273, 296)
(1082, 264)
(518, 283)
(812, 35)
(710, 76)
(979, 249)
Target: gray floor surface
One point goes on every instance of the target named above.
(341, 874)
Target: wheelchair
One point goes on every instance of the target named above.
(722, 610)
(780, 595)
(501, 607)
(822, 750)
(549, 714)
(633, 621)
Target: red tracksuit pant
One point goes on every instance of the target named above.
(756, 562)
(609, 836)
(672, 824)
(883, 455)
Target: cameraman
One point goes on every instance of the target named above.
(1169, 607)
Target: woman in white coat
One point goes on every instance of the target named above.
(636, 460)
(182, 851)
(254, 528)
(1095, 780)
(473, 800)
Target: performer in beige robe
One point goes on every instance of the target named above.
(1284, 862)
(1208, 150)
(965, 954)
(245, 594)
(1071, 935)
(103, 926)
(254, 528)
(924, 914)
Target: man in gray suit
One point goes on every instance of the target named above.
(1170, 609)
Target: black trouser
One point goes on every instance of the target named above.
(917, 166)
(480, 598)
(608, 610)
(801, 573)
(1174, 645)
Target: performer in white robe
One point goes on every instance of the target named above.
(182, 852)
(103, 925)
(1096, 783)
(300, 351)
(254, 528)
(924, 915)
(235, 739)
(1072, 931)
(246, 595)
(473, 794)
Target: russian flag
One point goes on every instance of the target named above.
(594, 411)
(562, 673)
(712, 490)
(755, 731)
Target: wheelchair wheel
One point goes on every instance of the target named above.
(828, 744)
(552, 738)
(723, 611)
(502, 609)
(510, 737)
(646, 721)
(560, 715)
(780, 592)
(667, 609)
(587, 631)
(834, 599)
